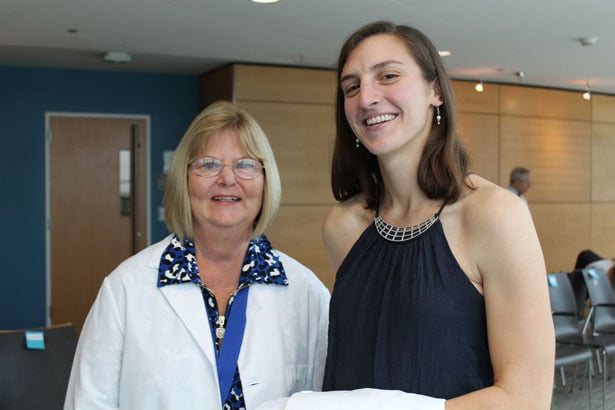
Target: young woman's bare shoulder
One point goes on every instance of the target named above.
(491, 216)
(349, 215)
(343, 226)
(489, 202)
(483, 226)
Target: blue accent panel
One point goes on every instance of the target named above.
(26, 94)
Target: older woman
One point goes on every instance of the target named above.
(212, 316)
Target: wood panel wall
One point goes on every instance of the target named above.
(566, 141)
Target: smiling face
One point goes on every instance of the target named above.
(387, 101)
(224, 201)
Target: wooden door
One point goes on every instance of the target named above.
(95, 224)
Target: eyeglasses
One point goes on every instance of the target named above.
(209, 167)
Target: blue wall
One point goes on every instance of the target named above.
(26, 94)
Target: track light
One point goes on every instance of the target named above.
(479, 86)
(587, 94)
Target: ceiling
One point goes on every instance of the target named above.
(492, 39)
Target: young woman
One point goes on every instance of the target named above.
(441, 284)
(441, 297)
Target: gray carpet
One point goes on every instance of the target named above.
(578, 399)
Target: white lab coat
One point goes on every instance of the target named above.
(149, 348)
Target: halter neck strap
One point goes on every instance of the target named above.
(440, 210)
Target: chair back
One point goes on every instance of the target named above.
(602, 300)
(598, 287)
(563, 306)
(36, 378)
(561, 295)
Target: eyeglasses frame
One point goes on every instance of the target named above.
(193, 169)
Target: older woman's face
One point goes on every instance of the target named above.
(225, 200)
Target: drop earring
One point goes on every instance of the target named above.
(438, 116)
(356, 143)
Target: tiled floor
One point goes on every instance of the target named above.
(578, 399)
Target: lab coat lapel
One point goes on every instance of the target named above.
(187, 302)
(256, 327)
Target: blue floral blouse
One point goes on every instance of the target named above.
(261, 265)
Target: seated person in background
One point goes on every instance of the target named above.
(166, 329)
(588, 259)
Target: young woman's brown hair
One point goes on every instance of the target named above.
(444, 163)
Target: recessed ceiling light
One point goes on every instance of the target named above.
(444, 53)
(117, 57)
(265, 1)
(588, 41)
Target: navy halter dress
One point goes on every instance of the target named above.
(404, 316)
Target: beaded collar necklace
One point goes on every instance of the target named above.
(402, 233)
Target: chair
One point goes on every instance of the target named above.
(32, 378)
(567, 332)
(565, 323)
(602, 311)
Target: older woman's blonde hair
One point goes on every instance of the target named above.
(215, 118)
